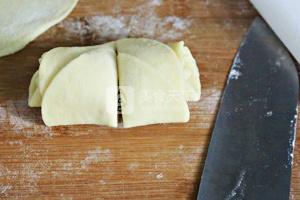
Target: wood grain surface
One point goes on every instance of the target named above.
(94, 162)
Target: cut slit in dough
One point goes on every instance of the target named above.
(174, 69)
(158, 55)
(83, 92)
(145, 101)
(21, 21)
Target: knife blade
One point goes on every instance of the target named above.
(251, 149)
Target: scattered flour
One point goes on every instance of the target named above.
(26, 174)
(102, 182)
(292, 197)
(188, 157)
(67, 166)
(160, 175)
(156, 2)
(15, 119)
(269, 113)
(94, 156)
(234, 74)
(71, 166)
(22, 121)
(133, 166)
(292, 140)
(238, 188)
(32, 177)
(55, 174)
(278, 63)
(235, 71)
(15, 143)
(66, 197)
(3, 114)
(144, 23)
(4, 189)
(5, 172)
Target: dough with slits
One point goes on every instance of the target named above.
(146, 96)
(155, 81)
(159, 56)
(83, 92)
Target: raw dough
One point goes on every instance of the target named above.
(192, 86)
(35, 97)
(21, 21)
(84, 92)
(158, 55)
(147, 97)
(155, 81)
(52, 62)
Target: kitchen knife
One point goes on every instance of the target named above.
(251, 150)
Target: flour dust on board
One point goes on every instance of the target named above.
(144, 22)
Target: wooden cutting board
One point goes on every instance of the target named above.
(94, 162)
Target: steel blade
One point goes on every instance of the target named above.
(251, 149)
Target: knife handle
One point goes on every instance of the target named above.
(284, 18)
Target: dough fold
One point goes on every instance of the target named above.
(83, 92)
(192, 85)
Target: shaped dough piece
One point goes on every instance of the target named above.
(84, 92)
(35, 98)
(54, 60)
(192, 85)
(21, 21)
(159, 56)
(51, 63)
(146, 96)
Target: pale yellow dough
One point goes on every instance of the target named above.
(54, 60)
(35, 97)
(159, 56)
(147, 97)
(84, 92)
(155, 81)
(192, 86)
(21, 21)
